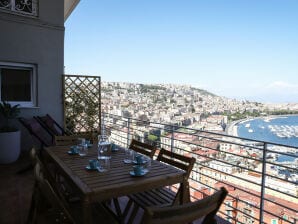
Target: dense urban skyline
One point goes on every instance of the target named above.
(238, 49)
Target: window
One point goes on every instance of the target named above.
(229, 216)
(28, 7)
(273, 221)
(229, 205)
(18, 84)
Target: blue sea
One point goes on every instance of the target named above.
(264, 129)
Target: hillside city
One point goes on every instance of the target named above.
(197, 109)
(177, 104)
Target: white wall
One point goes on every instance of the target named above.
(37, 41)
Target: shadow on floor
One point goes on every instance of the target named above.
(15, 191)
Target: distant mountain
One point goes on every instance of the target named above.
(145, 88)
(203, 92)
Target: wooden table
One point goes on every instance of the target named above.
(94, 186)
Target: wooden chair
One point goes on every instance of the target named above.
(162, 196)
(62, 184)
(37, 131)
(50, 125)
(186, 213)
(46, 206)
(143, 148)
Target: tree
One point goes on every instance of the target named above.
(143, 120)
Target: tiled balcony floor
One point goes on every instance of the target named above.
(16, 191)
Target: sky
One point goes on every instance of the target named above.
(242, 49)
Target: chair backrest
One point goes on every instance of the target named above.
(45, 188)
(186, 213)
(36, 130)
(142, 148)
(71, 139)
(50, 125)
(177, 160)
(181, 162)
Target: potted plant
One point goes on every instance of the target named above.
(10, 137)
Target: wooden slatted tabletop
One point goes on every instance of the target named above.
(117, 181)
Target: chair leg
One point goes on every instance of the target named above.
(186, 196)
(35, 199)
(32, 210)
(127, 208)
(118, 210)
(133, 213)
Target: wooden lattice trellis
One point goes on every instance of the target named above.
(82, 107)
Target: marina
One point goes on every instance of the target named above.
(279, 130)
(284, 131)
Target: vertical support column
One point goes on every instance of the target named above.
(99, 102)
(64, 106)
(172, 139)
(128, 132)
(102, 124)
(263, 183)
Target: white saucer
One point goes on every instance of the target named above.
(89, 168)
(72, 153)
(132, 173)
(143, 162)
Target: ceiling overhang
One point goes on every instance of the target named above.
(69, 6)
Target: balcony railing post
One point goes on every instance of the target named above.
(128, 132)
(172, 139)
(263, 184)
(102, 122)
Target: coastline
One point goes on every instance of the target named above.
(232, 128)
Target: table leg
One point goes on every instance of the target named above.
(185, 193)
(87, 212)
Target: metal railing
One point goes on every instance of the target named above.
(261, 177)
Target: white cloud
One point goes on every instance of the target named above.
(282, 89)
(282, 85)
(276, 91)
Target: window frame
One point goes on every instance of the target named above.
(33, 82)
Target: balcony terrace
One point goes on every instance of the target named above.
(261, 189)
